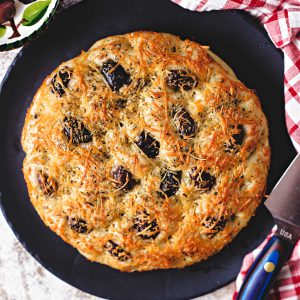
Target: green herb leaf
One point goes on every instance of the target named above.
(2, 30)
(34, 12)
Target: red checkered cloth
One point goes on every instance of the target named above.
(281, 19)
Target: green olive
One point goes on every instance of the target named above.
(34, 12)
(2, 30)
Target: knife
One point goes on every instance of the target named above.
(284, 205)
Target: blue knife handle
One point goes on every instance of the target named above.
(265, 269)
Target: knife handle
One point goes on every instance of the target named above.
(265, 269)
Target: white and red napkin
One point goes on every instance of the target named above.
(281, 19)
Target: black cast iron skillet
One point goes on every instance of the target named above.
(235, 37)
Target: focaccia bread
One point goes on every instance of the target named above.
(145, 152)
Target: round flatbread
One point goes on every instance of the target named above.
(145, 152)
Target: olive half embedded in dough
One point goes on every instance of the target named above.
(148, 144)
(65, 75)
(123, 178)
(170, 183)
(59, 85)
(78, 225)
(47, 184)
(183, 122)
(117, 251)
(115, 75)
(146, 227)
(202, 179)
(180, 79)
(215, 224)
(76, 131)
(237, 140)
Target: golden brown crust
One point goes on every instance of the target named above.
(85, 141)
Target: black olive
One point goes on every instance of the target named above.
(148, 144)
(47, 184)
(27, 1)
(215, 225)
(147, 228)
(115, 75)
(179, 79)
(123, 178)
(75, 131)
(116, 251)
(78, 225)
(203, 180)
(7, 14)
(121, 103)
(65, 75)
(170, 183)
(57, 86)
(184, 123)
(7, 10)
(237, 140)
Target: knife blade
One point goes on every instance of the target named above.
(284, 205)
(284, 202)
